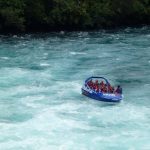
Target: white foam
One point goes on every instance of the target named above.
(62, 32)
(78, 53)
(6, 58)
(15, 36)
(44, 64)
(117, 58)
(43, 108)
(45, 54)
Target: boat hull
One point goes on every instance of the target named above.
(102, 97)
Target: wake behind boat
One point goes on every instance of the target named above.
(99, 88)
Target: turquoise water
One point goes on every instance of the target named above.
(41, 106)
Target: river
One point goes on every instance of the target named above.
(41, 75)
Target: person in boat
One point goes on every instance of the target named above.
(110, 89)
(103, 88)
(101, 84)
(118, 90)
(96, 86)
(89, 83)
(113, 89)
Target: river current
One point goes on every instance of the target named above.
(41, 75)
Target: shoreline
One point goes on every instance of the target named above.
(64, 30)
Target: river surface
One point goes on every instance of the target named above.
(41, 106)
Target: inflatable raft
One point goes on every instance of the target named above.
(99, 95)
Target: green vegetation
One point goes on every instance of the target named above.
(49, 15)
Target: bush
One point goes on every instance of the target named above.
(29, 15)
(11, 15)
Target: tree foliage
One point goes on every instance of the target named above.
(12, 15)
(40, 15)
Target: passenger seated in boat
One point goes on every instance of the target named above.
(103, 88)
(110, 89)
(113, 89)
(97, 86)
(90, 84)
(118, 90)
(101, 84)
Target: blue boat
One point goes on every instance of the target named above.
(101, 96)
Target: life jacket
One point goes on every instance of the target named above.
(110, 89)
(119, 90)
(102, 84)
